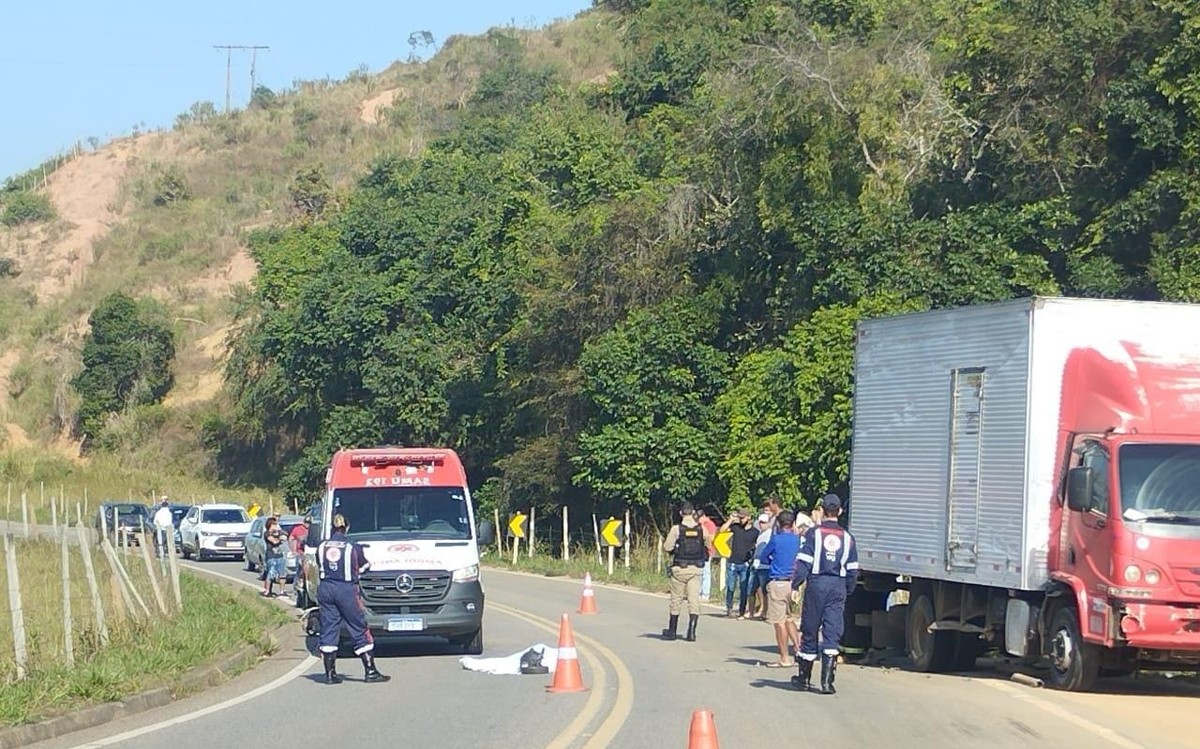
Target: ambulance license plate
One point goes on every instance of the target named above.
(406, 624)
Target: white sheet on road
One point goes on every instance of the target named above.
(510, 665)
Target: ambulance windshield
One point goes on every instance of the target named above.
(1160, 483)
(379, 513)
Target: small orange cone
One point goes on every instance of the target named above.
(587, 603)
(567, 676)
(703, 733)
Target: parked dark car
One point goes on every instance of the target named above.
(124, 520)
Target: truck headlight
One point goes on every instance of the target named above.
(466, 574)
(1152, 577)
(1133, 573)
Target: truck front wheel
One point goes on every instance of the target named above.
(930, 652)
(1074, 664)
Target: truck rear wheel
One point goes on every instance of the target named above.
(1074, 664)
(930, 652)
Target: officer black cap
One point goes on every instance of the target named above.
(831, 503)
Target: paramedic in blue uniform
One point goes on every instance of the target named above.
(828, 563)
(341, 562)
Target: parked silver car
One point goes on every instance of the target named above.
(256, 545)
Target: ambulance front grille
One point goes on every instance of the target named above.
(404, 587)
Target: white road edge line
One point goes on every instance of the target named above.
(1058, 711)
(299, 669)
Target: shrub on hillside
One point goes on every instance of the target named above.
(26, 207)
(171, 187)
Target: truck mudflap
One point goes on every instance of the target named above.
(1162, 626)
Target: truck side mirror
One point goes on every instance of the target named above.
(487, 533)
(1079, 488)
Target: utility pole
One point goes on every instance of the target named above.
(229, 48)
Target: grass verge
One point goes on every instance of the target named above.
(642, 573)
(145, 655)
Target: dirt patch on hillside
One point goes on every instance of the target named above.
(84, 192)
(199, 369)
(371, 111)
(239, 269)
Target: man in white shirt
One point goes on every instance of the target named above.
(164, 523)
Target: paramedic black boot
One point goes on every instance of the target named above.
(803, 680)
(331, 674)
(691, 633)
(828, 664)
(672, 630)
(371, 673)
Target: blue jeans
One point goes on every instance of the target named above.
(276, 569)
(737, 575)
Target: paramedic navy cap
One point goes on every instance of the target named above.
(831, 502)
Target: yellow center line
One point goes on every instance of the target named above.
(623, 705)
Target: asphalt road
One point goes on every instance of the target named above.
(642, 694)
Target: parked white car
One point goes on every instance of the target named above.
(214, 530)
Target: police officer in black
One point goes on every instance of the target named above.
(341, 561)
(828, 562)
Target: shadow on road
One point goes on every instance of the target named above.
(774, 684)
(417, 647)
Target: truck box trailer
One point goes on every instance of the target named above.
(1030, 472)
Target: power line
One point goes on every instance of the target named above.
(229, 48)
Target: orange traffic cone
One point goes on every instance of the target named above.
(587, 603)
(703, 733)
(567, 677)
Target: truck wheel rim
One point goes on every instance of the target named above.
(1064, 650)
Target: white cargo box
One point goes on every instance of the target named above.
(985, 383)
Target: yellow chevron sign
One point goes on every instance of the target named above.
(518, 525)
(721, 544)
(612, 533)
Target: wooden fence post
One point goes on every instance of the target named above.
(532, 530)
(158, 596)
(93, 587)
(68, 625)
(54, 516)
(628, 539)
(596, 533)
(20, 655)
(566, 537)
(499, 533)
(25, 514)
(123, 577)
(174, 567)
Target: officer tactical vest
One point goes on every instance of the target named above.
(336, 560)
(690, 549)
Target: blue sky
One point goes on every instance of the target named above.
(74, 69)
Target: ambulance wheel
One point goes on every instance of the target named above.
(312, 624)
(930, 652)
(1074, 664)
(471, 644)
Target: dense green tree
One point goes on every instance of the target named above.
(127, 357)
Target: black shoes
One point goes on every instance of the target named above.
(371, 673)
(331, 674)
(691, 632)
(803, 680)
(828, 666)
(672, 630)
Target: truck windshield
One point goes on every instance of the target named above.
(404, 512)
(1160, 483)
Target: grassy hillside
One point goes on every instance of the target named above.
(167, 215)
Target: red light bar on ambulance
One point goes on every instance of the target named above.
(382, 460)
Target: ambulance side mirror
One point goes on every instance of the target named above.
(314, 535)
(1079, 488)
(487, 533)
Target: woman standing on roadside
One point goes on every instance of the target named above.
(275, 570)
